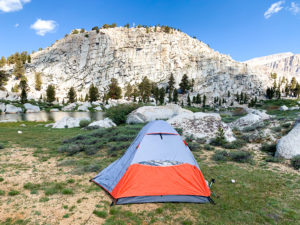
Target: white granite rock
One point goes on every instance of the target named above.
(201, 125)
(54, 110)
(12, 109)
(69, 107)
(106, 123)
(284, 108)
(69, 122)
(149, 113)
(289, 145)
(31, 108)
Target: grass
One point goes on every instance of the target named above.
(101, 214)
(259, 196)
(13, 192)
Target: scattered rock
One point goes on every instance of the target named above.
(284, 108)
(13, 109)
(294, 108)
(84, 107)
(49, 125)
(69, 107)
(8, 121)
(149, 113)
(20, 132)
(54, 110)
(289, 145)
(106, 123)
(31, 108)
(23, 125)
(201, 125)
(2, 107)
(245, 121)
(98, 108)
(262, 114)
(69, 122)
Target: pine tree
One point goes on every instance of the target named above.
(3, 78)
(2, 61)
(86, 99)
(50, 93)
(162, 93)
(204, 101)
(129, 90)
(175, 96)
(93, 93)
(23, 85)
(145, 89)
(28, 59)
(228, 94)
(184, 84)
(194, 99)
(72, 95)
(188, 100)
(38, 81)
(19, 69)
(114, 91)
(287, 89)
(192, 85)
(171, 83)
(237, 97)
(297, 90)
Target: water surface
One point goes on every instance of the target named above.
(50, 116)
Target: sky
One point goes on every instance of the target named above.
(243, 29)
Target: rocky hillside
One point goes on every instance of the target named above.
(79, 60)
(285, 64)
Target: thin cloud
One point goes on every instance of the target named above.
(274, 8)
(17, 25)
(12, 5)
(294, 8)
(44, 26)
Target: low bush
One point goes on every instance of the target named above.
(84, 123)
(179, 130)
(101, 214)
(269, 148)
(118, 114)
(273, 159)
(286, 125)
(220, 156)
(276, 129)
(13, 192)
(1, 146)
(2, 193)
(236, 156)
(208, 147)
(295, 161)
(1, 179)
(67, 191)
(239, 143)
(194, 146)
(240, 156)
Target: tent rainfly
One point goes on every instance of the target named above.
(157, 167)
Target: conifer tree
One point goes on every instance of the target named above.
(145, 89)
(204, 100)
(19, 69)
(128, 91)
(72, 95)
(93, 93)
(38, 81)
(50, 93)
(23, 85)
(171, 83)
(162, 93)
(2, 61)
(114, 91)
(188, 100)
(3, 78)
(175, 96)
(198, 99)
(184, 84)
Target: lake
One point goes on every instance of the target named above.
(50, 116)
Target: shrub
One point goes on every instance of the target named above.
(118, 114)
(276, 129)
(31, 186)
(13, 192)
(1, 179)
(194, 146)
(295, 161)
(220, 156)
(270, 148)
(179, 130)
(235, 144)
(2, 193)
(286, 125)
(208, 147)
(273, 159)
(84, 123)
(67, 191)
(101, 214)
(44, 199)
(240, 156)
(1, 146)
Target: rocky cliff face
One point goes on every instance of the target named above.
(284, 64)
(79, 60)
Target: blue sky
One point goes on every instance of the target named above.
(241, 28)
